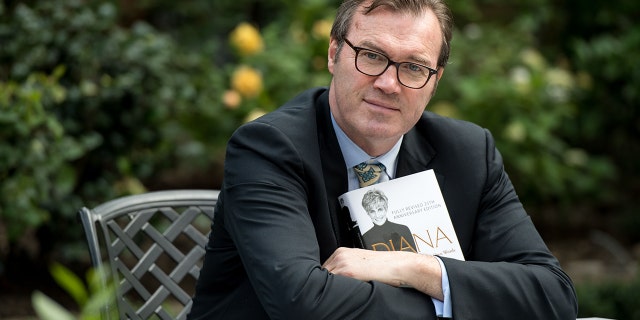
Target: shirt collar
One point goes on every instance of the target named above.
(354, 155)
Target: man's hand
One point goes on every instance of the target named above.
(396, 268)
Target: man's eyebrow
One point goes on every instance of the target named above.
(372, 46)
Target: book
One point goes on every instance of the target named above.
(410, 214)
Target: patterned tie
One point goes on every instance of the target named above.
(369, 173)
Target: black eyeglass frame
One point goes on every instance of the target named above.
(390, 62)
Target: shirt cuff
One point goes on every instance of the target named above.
(443, 308)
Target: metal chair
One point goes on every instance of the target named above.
(153, 241)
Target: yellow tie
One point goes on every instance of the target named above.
(369, 173)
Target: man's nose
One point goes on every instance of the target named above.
(388, 80)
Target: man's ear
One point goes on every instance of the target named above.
(438, 77)
(332, 52)
(440, 73)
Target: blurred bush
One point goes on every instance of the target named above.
(610, 299)
(607, 45)
(88, 110)
(35, 154)
(498, 79)
(555, 83)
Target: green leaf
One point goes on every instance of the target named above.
(98, 301)
(47, 309)
(70, 283)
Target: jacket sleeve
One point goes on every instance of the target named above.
(509, 272)
(267, 194)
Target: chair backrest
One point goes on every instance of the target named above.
(154, 242)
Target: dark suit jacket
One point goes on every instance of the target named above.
(278, 219)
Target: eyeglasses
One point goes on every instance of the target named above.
(373, 63)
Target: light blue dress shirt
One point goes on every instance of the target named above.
(354, 155)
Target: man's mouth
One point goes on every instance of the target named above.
(381, 104)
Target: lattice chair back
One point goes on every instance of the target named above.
(154, 246)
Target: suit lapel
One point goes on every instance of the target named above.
(333, 168)
(415, 154)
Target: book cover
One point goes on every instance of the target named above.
(403, 214)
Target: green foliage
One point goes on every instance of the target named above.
(93, 301)
(497, 78)
(92, 110)
(611, 299)
(36, 152)
(611, 59)
(609, 120)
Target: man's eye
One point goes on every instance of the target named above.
(371, 55)
(414, 67)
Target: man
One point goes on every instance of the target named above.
(384, 235)
(279, 247)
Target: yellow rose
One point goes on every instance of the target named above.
(255, 114)
(322, 29)
(445, 108)
(576, 157)
(246, 39)
(231, 99)
(533, 59)
(515, 131)
(247, 81)
(521, 79)
(559, 77)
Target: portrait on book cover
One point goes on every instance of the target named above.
(384, 235)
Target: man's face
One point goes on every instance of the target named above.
(374, 111)
(377, 212)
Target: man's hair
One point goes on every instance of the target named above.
(372, 197)
(347, 10)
